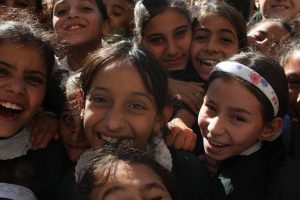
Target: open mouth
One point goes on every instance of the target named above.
(209, 64)
(9, 109)
(73, 27)
(108, 140)
(217, 144)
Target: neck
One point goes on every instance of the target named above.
(76, 56)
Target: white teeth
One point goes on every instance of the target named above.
(217, 144)
(210, 62)
(109, 139)
(11, 106)
(74, 27)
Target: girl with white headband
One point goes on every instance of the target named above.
(241, 116)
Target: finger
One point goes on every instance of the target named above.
(170, 138)
(179, 141)
(190, 142)
(36, 140)
(47, 138)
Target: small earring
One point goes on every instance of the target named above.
(82, 113)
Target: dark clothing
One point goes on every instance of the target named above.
(291, 136)
(243, 177)
(192, 175)
(39, 170)
(286, 183)
(66, 187)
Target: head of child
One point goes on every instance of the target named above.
(124, 95)
(74, 141)
(244, 105)
(26, 62)
(126, 173)
(267, 35)
(219, 31)
(291, 63)
(120, 17)
(164, 28)
(278, 9)
(33, 6)
(77, 23)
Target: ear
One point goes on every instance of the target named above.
(272, 130)
(163, 118)
(80, 100)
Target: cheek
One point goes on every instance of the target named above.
(36, 98)
(202, 119)
(230, 51)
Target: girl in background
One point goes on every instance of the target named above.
(219, 32)
(79, 26)
(164, 28)
(120, 18)
(268, 35)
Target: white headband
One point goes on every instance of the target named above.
(252, 77)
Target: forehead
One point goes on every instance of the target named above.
(292, 64)
(175, 17)
(56, 2)
(217, 21)
(116, 2)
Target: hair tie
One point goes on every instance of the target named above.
(252, 77)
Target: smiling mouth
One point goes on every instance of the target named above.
(208, 64)
(10, 109)
(107, 139)
(74, 27)
(217, 144)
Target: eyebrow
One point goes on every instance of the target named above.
(134, 93)
(239, 110)
(225, 30)
(153, 185)
(231, 109)
(118, 6)
(112, 190)
(15, 67)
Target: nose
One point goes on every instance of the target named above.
(115, 121)
(73, 12)
(16, 85)
(172, 48)
(212, 45)
(216, 126)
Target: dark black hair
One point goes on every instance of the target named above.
(105, 161)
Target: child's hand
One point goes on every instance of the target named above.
(43, 128)
(211, 164)
(180, 136)
(190, 93)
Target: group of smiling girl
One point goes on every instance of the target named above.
(178, 109)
